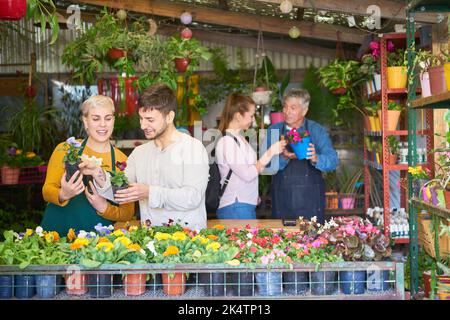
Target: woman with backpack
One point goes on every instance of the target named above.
(238, 161)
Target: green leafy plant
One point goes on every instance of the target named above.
(397, 58)
(119, 179)
(393, 145)
(394, 106)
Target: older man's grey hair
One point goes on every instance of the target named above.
(301, 94)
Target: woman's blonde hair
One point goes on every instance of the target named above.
(95, 102)
(236, 103)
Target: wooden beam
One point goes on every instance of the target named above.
(234, 19)
(289, 46)
(389, 9)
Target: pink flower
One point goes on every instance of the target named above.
(349, 230)
(390, 46)
(316, 244)
(374, 45)
(264, 260)
(253, 249)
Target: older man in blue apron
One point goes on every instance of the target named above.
(298, 188)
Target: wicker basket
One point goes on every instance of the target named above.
(426, 239)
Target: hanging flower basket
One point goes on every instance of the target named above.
(12, 9)
(115, 53)
(181, 64)
(261, 97)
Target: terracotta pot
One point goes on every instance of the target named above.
(181, 64)
(392, 159)
(12, 9)
(134, 284)
(367, 123)
(447, 198)
(115, 53)
(393, 116)
(76, 283)
(175, 285)
(437, 80)
(10, 175)
(396, 77)
(425, 84)
(276, 117)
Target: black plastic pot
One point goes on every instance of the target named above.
(323, 283)
(296, 282)
(213, 283)
(6, 287)
(71, 169)
(100, 285)
(240, 284)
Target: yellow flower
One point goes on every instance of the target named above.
(51, 236)
(118, 233)
(79, 242)
(71, 235)
(197, 253)
(134, 247)
(234, 262)
(30, 154)
(214, 246)
(133, 228)
(125, 241)
(29, 232)
(162, 236)
(18, 151)
(106, 245)
(102, 239)
(170, 251)
(179, 236)
(219, 227)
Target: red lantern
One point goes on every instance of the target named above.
(186, 33)
(12, 9)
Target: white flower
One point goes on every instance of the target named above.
(39, 231)
(151, 247)
(94, 160)
(249, 243)
(111, 227)
(142, 252)
(250, 235)
(314, 219)
(82, 234)
(17, 236)
(92, 234)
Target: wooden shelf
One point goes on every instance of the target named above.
(394, 133)
(440, 101)
(392, 167)
(391, 92)
(442, 212)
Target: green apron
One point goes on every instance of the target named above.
(77, 214)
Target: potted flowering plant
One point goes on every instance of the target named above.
(396, 70)
(7, 257)
(119, 180)
(299, 141)
(393, 149)
(72, 158)
(370, 68)
(420, 176)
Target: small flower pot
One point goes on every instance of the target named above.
(447, 75)
(377, 81)
(240, 284)
(377, 280)
(276, 117)
(393, 117)
(134, 284)
(269, 283)
(396, 77)
(71, 169)
(323, 283)
(76, 284)
(116, 188)
(296, 282)
(6, 287)
(367, 126)
(437, 80)
(348, 201)
(10, 175)
(425, 84)
(353, 282)
(100, 285)
(301, 148)
(181, 64)
(13, 9)
(24, 286)
(213, 283)
(47, 285)
(174, 284)
(392, 159)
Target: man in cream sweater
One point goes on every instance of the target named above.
(169, 174)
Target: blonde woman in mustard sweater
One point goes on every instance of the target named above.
(70, 204)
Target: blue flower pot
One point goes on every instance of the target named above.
(47, 286)
(6, 287)
(269, 283)
(240, 284)
(213, 283)
(301, 148)
(353, 282)
(100, 285)
(323, 283)
(378, 280)
(296, 282)
(25, 286)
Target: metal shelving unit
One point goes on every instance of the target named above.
(386, 94)
(429, 103)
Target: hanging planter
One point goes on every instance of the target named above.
(115, 54)
(261, 96)
(12, 9)
(181, 64)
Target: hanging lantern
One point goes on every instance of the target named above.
(152, 27)
(286, 6)
(186, 18)
(186, 33)
(294, 32)
(12, 9)
(121, 14)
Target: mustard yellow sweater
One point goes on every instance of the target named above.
(55, 171)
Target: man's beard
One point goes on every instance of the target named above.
(160, 133)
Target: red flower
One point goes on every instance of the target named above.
(247, 226)
(228, 231)
(121, 165)
(253, 249)
(275, 240)
(233, 238)
(238, 255)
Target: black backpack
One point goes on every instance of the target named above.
(214, 190)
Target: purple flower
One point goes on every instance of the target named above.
(390, 46)
(73, 142)
(12, 151)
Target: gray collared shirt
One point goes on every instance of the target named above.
(177, 177)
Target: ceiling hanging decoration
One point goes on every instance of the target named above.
(12, 9)
(286, 6)
(294, 32)
(186, 17)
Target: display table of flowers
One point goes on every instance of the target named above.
(341, 260)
